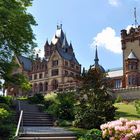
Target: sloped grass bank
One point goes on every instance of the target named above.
(127, 111)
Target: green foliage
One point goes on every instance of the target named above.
(16, 35)
(6, 131)
(7, 119)
(4, 106)
(36, 99)
(95, 104)
(93, 134)
(137, 106)
(7, 100)
(63, 108)
(119, 99)
(64, 123)
(4, 114)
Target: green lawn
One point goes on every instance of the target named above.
(127, 111)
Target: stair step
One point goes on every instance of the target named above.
(37, 119)
(47, 138)
(37, 124)
(49, 134)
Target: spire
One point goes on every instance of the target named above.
(47, 43)
(96, 57)
(59, 26)
(135, 17)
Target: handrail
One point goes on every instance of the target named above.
(19, 124)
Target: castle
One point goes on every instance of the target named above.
(57, 71)
(59, 67)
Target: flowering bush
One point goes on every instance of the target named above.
(121, 129)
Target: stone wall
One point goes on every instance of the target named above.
(132, 93)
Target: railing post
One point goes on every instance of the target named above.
(20, 122)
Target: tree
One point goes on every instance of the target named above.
(16, 35)
(95, 104)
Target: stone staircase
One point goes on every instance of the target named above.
(39, 126)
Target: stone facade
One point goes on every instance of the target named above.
(59, 67)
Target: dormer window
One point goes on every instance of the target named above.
(54, 63)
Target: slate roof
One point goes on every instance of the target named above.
(26, 62)
(63, 45)
(67, 56)
(132, 55)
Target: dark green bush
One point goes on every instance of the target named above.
(63, 108)
(5, 106)
(48, 103)
(93, 134)
(7, 131)
(36, 99)
(7, 100)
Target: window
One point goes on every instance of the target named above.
(55, 72)
(54, 84)
(117, 83)
(77, 68)
(72, 74)
(132, 80)
(54, 63)
(72, 65)
(46, 86)
(66, 63)
(30, 77)
(40, 87)
(66, 73)
(40, 75)
(35, 76)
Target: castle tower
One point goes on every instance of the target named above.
(131, 56)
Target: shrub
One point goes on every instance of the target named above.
(5, 106)
(121, 129)
(93, 134)
(36, 99)
(4, 114)
(137, 105)
(63, 108)
(119, 99)
(6, 132)
(7, 100)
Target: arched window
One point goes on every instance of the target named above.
(35, 87)
(40, 87)
(46, 86)
(54, 85)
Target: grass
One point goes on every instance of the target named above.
(127, 111)
(78, 131)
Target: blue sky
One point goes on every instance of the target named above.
(86, 23)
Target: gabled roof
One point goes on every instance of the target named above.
(132, 55)
(26, 62)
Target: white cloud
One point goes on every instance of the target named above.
(107, 39)
(113, 2)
